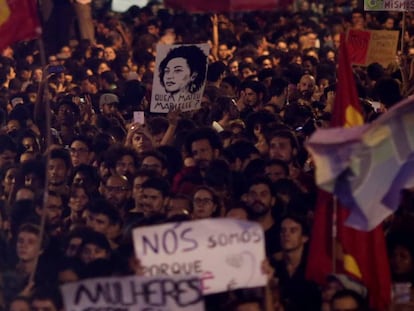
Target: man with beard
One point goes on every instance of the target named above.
(284, 146)
(261, 200)
(154, 196)
(58, 170)
(252, 94)
(203, 145)
(117, 191)
(306, 88)
(52, 211)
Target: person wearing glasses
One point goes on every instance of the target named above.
(80, 151)
(206, 203)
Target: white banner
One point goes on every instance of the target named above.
(133, 293)
(224, 253)
(123, 5)
(389, 5)
(179, 78)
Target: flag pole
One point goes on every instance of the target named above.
(334, 232)
(402, 32)
(43, 96)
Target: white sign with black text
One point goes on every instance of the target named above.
(134, 293)
(225, 253)
(179, 78)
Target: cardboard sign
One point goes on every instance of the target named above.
(389, 5)
(179, 78)
(369, 46)
(224, 253)
(134, 293)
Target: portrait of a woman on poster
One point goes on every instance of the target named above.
(183, 71)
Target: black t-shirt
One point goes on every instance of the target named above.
(272, 240)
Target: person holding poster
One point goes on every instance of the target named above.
(182, 75)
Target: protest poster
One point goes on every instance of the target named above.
(389, 5)
(225, 253)
(179, 78)
(134, 293)
(369, 46)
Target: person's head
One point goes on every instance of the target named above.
(230, 86)
(345, 300)
(28, 141)
(183, 68)
(95, 246)
(9, 175)
(293, 233)
(278, 88)
(178, 204)
(28, 243)
(58, 167)
(206, 203)
(260, 197)
(401, 256)
(8, 150)
(241, 153)
(117, 190)
(276, 169)
(19, 303)
(33, 173)
(70, 270)
(154, 195)
(53, 208)
(101, 216)
(122, 161)
(153, 27)
(109, 53)
(224, 108)
(89, 85)
(245, 304)
(85, 175)
(108, 104)
(237, 212)
(78, 198)
(339, 282)
(204, 145)
(80, 151)
(306, 86)
(254, 92)
(154, 160)
(358, 18)
(283, 145)
(216, 71)
(67, 112)
(388, 91)
(73, 241)
(140, 139)
(46, 299)
(247, 70)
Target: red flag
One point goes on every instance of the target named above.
(364, 253)
(18, 21)
(226, 5)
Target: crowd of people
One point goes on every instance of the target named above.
(68, 130)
